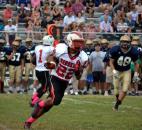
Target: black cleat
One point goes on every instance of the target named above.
(115, 108)
(27, 126)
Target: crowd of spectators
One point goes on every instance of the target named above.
(88, 16)
(117, 15)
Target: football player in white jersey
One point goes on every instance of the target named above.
(68, 60)
(42, 52)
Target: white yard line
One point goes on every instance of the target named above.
(78, 101)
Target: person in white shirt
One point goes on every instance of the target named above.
(10, 31)
(68, 19)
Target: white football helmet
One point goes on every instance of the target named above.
(75, 40)
(48, 40)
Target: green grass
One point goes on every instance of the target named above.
(74, 113)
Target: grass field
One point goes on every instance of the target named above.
(75, 113)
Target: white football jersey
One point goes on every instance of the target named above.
(66, 66)
(42, 52)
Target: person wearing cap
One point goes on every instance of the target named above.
(3, 59)
(109, 77)
(136, 38)
(120, 57)
(29, 51)
(15, 56)
(10, 31)
(97, 68)
(104, 45)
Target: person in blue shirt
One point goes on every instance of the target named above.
(121, 57)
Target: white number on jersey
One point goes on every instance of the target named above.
(64, 72)
(123, 61)
(16, 57)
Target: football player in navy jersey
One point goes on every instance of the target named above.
(29, 51)
(2, 64)
(67, 60)
(121, 57)
(15, 56)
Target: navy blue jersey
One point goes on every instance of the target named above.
(3, 51)
(18, 55)
(28, 53)
(106, 58)
(123, 60)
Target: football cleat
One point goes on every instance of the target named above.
(27, 125)
(115, 108)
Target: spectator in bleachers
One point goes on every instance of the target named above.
(36, 14)
(78, 7)
(1, 28)
(45, 10)
(46, 21)
(105, 6)
(122, 26)
(19, 2)
(134, 16)
(29, 28)
(28, 9)
(67, 7)
(118, 15)
(21, 16)
(68, 19)
(7, 13)
(73, 26)
(139, 6)
(56, 13)
(90, 12)
(10, 31)
(35, 3)
(91, 28)
(80, 18)
(37, 30)
(106, 14)
(105, 26)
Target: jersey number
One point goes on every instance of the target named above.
(2, 54)
(123, 61)
(63, 72)
(40, 56)
(16, 57)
